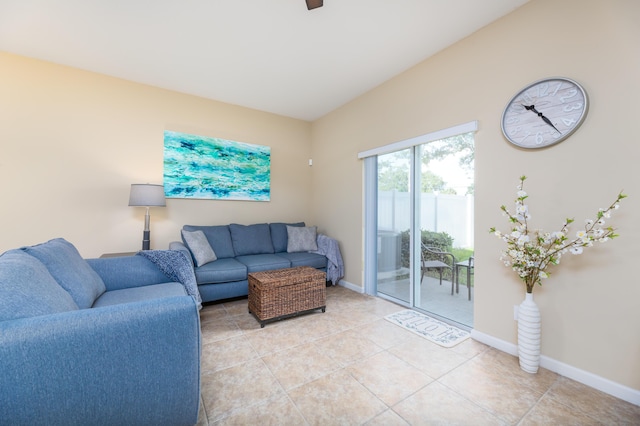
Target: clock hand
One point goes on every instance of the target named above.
(532, 108)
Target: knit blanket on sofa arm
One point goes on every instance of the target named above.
(328, 247)
(177, 267)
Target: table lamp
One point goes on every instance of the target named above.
(146, 195)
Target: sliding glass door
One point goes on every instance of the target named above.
(394, 224)
(423, 226)
(444, 218)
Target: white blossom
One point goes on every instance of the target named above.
(530, 252)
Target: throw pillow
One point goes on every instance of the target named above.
(301, 238)
(70, 270)
(199, 247)
(279, 235)
(219, 239)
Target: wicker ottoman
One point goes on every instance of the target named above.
(283, 293)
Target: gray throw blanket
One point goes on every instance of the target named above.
(175, 265)
(328, 246)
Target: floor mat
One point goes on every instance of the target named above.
(436, 331)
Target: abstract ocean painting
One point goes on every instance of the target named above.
(202, 167)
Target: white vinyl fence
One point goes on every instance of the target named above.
(452, 214)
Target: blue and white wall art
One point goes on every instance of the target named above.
(201, 167)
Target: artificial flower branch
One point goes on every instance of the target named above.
(530, 253)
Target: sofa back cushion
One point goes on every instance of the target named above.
(27, 289)
(279, 235)
(251, 239)
(219, 239)
(70, 270)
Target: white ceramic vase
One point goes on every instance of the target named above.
(529, 335)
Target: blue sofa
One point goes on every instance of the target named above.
(96, 341)
(233, 251)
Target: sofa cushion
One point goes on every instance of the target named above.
(199, 246)
(304, 258)
(279, 236)
(221, 271)
(263, 262)
(138, 294)
(251, 239)
(70, 270)
(301, 239)
(27, 289)
(219, 239)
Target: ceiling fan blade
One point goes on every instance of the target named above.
(312, 4)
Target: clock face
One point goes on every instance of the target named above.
(544, 113)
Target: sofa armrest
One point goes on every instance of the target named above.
(135, 363)
(127, 272)
(178, 245)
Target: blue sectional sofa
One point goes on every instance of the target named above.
(224, 255)
(95, 341)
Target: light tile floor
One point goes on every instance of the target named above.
(349, 366)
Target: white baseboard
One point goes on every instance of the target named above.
(350, 286)
(499, 344)
(600, 383)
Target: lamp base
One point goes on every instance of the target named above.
(146, 240)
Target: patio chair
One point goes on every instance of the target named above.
(465, 264)
(434, 258)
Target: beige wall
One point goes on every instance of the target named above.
(72, 142)
(590, 305)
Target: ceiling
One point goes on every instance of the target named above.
(271, 55)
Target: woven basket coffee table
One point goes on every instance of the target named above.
(283, 293)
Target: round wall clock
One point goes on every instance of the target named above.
(544, 113)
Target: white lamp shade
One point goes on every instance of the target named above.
(147, 195)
